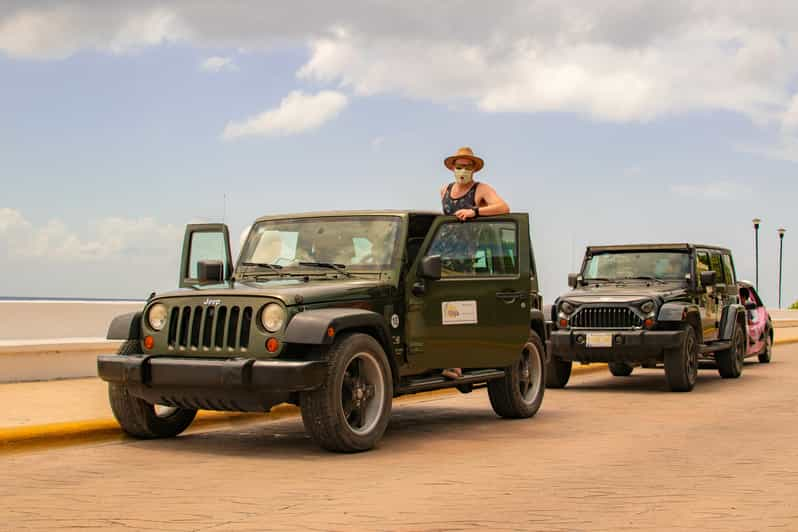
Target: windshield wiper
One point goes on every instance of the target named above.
(340, 268)
(273, 267)
(644, 278)
(589, 279)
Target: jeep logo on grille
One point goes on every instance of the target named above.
(212, 302)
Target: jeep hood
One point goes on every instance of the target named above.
(624, 293)
(291, 291)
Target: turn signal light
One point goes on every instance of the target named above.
(563, 323)
(330, 332)
(149, 342)
(649, 323)
(272, 345)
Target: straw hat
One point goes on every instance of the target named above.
(464, 153)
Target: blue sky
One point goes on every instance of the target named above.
(112, 133)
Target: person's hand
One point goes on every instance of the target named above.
(464, 214)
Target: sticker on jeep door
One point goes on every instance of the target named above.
(459, 312)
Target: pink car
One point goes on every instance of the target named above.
(760, 327)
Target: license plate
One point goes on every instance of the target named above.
(599, 340)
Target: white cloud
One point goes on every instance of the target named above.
(298, 112)
(616, 60)
(218, 64)
(107, 239)
(718, 190)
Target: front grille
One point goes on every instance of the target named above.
(210, 328)
(606, 318)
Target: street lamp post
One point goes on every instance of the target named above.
(756, 221)
(781, 256)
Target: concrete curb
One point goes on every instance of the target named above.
(17, 439)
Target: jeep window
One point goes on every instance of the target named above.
(206, 245)
(476, 249)
(717, 266)
(617, 265)
(358, 243)
(728, 269)
(702, 264)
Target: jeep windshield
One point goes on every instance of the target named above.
(637, 265)
(322, 246)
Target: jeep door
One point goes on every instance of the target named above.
(477, 314)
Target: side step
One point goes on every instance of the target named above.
(434, 382)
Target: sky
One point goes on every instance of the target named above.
(609, 121)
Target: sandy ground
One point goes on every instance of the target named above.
(604, 454)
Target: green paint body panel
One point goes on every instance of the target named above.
(419, 341)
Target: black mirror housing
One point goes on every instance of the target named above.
(573, 280)
(751, 305)
(430, 267)
(210, 271)
(709, 278)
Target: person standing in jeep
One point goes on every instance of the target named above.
(467, 199)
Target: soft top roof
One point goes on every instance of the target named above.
(653, 247)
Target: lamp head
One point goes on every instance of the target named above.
(781, 232)
(756, 222)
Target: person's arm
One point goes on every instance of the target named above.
(489, 202)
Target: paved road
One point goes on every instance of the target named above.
(605, 454)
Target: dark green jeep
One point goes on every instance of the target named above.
(337, 313)
(670, 304)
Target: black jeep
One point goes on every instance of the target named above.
(670, 304)
(337, 313)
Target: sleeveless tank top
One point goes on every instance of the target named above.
(467, 201)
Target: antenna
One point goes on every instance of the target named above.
(224, 207)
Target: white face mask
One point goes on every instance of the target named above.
(463, 176)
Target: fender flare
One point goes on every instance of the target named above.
(310, 327)
(125, 327)
(682, 312)
(729, 319)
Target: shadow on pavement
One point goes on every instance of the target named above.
(653, 382)
(409, 429)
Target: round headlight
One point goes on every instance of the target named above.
(647, 307)
(566, 307)
(272, 317)
(157, 316)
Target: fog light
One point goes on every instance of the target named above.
(580, 339)
(272, 345)
(618, 339)
(149, 342)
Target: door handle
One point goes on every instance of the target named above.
(509, 297)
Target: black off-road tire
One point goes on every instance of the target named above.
(323, 411)
(558, 371)
(519, 393)
(139, 418)
(681, 363)
(731, 361)
(767, 354)
(620, 369)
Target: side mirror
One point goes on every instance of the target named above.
(751, 305)
(709, 278)
(430, 267)
(210, 271)
(574, 280)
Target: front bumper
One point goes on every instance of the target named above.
(212, 384)
(628, 346)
